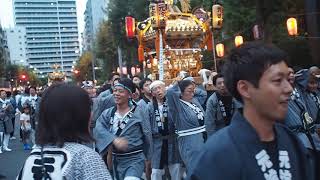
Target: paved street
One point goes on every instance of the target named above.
(11, 162)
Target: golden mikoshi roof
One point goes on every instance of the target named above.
(178, 25)
(56, 74)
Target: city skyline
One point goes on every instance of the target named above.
(7, 15)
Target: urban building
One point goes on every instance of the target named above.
(93, 17)
(16, 39)
(51, 33)
(4, 51)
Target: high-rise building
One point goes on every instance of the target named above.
(93, 17)
(51, 33)
(4, 51)
(16, 39)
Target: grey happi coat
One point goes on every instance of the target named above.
(185, 118)
(213, 118)
(157, 140)
(136, 131)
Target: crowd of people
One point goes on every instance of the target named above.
(261, 121)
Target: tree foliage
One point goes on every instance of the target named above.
(84, 67)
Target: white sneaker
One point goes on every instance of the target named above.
(0, 151)
(7, 149)
(13, 138)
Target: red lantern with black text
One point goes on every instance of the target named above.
(130, 27)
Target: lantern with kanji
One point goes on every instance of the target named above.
(292, 26)
(256, 32)
(130, 27)
(238, 40)
(217, 16)
(220, 50)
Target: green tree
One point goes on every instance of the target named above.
(84, 67)
(112, 34)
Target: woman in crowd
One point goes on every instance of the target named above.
(188, 117)
(62, 130)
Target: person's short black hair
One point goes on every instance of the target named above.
(249, 62)
(64, 116)
(8, 93)
(32, 87)
(128, 83)
(184, 84)
(15, 92)
(136, 76)
(26, 106)
(214, 79)
(143, 81)
(112, 75)
(26, 90)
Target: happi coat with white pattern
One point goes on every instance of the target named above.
(236, 152)
(184, 119)
(136, 131)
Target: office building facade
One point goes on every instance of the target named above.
(51, 33)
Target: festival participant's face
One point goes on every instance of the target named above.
(3, 95)
(146, 89)
(272, 96)
(188, 93)
(158, 91)
(121, 95)
(313, 84)
(136, 95)
(221, 88)
(291, 76)
(33, 91)
(136, 80)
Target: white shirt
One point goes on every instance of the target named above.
(116, 119)
(160, 110)
(25, 118)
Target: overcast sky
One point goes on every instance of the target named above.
(6, 13)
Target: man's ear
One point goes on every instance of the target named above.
(243, 88)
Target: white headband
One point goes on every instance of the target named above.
(156, 84)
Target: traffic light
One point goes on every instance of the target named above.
(23, 77)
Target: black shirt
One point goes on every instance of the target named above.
(272, 149)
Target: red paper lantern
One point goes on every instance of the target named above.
(130, 27)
